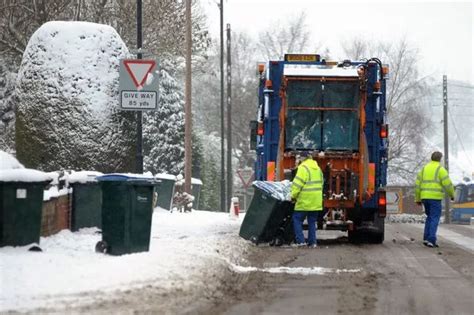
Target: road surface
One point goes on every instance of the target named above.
(401, 276)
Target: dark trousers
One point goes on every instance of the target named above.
(433, 212)
(298, 218)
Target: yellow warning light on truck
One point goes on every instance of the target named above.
(302, 57)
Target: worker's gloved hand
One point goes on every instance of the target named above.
(418, 203)
(293, 200)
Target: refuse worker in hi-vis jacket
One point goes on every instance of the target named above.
(307, 192)
(431, 184)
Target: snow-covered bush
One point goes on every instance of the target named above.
(182, 201)
(8, 161)
(68, 115)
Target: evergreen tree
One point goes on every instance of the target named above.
(210, 172)
(163, 130)
(198, 156)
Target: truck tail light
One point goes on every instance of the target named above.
(382, 202)
(260, 129)
(384, 131)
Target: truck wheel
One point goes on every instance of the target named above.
(354, 237)
(376, 238)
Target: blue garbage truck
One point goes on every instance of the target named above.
(337, 110)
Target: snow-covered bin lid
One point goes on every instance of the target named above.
(24, 175)
(8, 161)
(196, 181)
(126, 177)
(320, 71)
(166, 176)
(83, 177)
(278, 190)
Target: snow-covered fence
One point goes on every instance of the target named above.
(56, 215)
(56, 212)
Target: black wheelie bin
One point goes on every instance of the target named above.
(21, 203)
(268, 218)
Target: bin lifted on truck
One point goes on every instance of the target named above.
(337, 111)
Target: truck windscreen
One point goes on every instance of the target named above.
(322, 115)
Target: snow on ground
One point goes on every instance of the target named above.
(182, 245)
(406, 218)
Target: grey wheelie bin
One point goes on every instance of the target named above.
(127, 208)
(21, 202)
(268, 217)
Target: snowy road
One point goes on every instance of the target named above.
(399, 277)
(197, 264)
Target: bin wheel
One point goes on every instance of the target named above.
(35, 248)
(254, 240)
(101, 247)
(277, 241)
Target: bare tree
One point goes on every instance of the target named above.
(282, 38)
(163, 23)
(407, 94)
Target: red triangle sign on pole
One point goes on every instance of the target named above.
(138, 70)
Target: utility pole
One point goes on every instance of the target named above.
(446, 143)
(139, 151)
(229, 118)
(187, 115)
(223, 199)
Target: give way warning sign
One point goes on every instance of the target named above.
(138, 84)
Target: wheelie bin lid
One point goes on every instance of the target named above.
(128, 177)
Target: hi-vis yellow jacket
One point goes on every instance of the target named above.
(432, 181)
(307, 187)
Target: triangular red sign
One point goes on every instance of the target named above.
(138, 70)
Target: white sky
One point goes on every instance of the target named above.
(442, 30)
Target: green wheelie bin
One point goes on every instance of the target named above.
(165, 191)
(196, 185)
(127, 208)
(21, 203)
(86, 210)
(268, 218)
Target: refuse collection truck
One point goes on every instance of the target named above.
(336, 110)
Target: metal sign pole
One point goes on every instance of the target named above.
(229, 118)
(139, 152)
(187, 116)
(223, 190)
